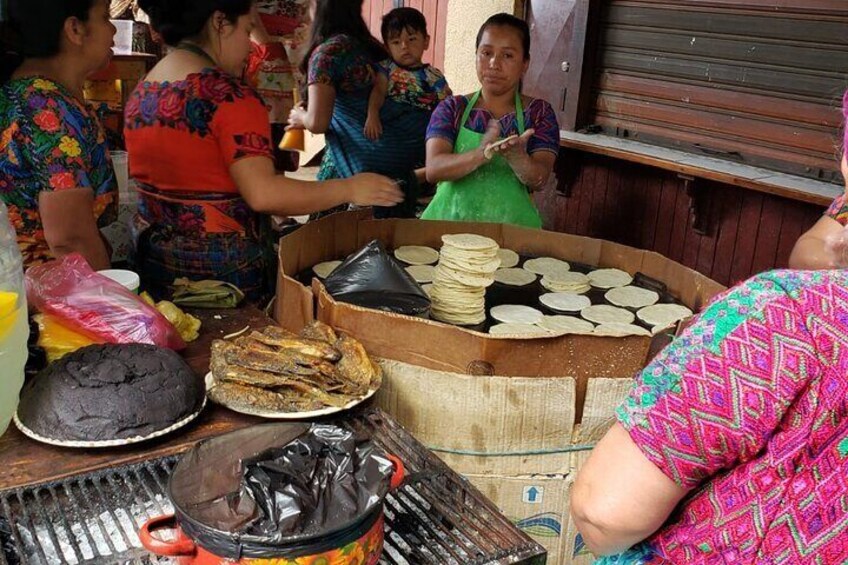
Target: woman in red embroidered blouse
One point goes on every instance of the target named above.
(199, 145)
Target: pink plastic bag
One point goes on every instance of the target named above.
(96, 305)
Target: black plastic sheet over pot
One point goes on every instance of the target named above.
(295, 486)
(374, 279)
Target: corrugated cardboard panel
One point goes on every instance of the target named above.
(602, 396)
(484, 425)
(540, 506)
(536, 504)
(295, 304)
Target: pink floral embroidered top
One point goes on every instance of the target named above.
(748, 408)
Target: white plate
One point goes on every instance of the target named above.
(111, 442)
(210, 382)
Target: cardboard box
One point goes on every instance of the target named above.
(449, 348)
(514, 438)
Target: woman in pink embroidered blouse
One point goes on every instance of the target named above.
(732, 446)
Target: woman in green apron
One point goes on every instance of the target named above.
(492, 186)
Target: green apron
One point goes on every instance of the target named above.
(492, 193)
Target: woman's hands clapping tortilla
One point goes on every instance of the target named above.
(514, 146)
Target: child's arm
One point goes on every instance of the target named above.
(373, 127)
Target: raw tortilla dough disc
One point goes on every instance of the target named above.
(522, 330)
(325, 269)
(609, 278)
(417, 255)
(489, 151)
(565, 301)
(566, 325)
(514, 277)
(508, 257)
(546, 266)
(427, 288)
(422, 273)
(613, 329)
(516, 314)
(470, 242)
(660, 316)
(604, 314)
(631, 297)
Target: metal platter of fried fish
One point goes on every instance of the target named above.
(274, 373)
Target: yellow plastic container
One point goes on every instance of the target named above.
(294, 139)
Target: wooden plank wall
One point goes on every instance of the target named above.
(435, 11)
(754, 83)
(746, 232)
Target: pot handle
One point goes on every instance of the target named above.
(181, 547)
(399, 473)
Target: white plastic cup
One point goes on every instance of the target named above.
(123, 41)
(128, 279)
(122, 173)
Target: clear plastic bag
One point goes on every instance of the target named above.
(96, 306)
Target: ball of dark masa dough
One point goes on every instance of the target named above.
(109, 392)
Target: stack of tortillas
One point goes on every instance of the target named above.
(466, 268)
(572, 282)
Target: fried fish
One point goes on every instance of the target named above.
(310, 347)
(355, 367)
(319, 331)
(250, 358)
(275, 370)
(250, 398)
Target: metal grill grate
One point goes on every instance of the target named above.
(436, 517)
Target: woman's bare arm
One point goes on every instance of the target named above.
(620, 498)
(812, 251)
(532, 170)
(318, 112)
(445, 165)
(70, 226)
(269, 193)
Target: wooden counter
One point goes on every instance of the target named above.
(24, 461)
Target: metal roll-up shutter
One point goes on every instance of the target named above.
(754, 82)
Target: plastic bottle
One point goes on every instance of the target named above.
(14, 327)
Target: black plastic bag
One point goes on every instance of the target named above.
(374, 279)
(277, 485)
(318, 483)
